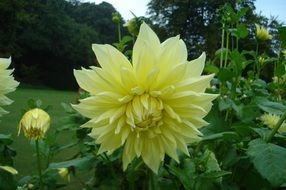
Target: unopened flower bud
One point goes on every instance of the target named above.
(116, 18)
(35, 124)
(133, 25)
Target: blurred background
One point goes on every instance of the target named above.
(47, 39)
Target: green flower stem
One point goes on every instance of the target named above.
(257, 61)
(237, 39)
(39, 164)
(152, 177)
(119, 32)
(226, 47)
(222, 45)
(277, 126)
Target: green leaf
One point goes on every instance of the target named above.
(269, 161)
(282, 35)
(225, 75)
(216, 174)
(181, 175)
(211, 69)
(6, 139)
(262, 132)
(241, 31)
(248, 113)
(238, 61)
(224, 103)
(223, 135)
(280, 70)
(242, 12)
(269, 106)
(67, 108)
(80, 163)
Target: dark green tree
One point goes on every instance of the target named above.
(47, 39)
(198, 22)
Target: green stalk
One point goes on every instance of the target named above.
(119, 32)
(222, 45)
(257, 61)
(39, 164)
(152, 185)
(277, 126)
(227, 44)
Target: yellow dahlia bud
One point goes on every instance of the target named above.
(270, 120)
(64, 173)
(262, 33)
(35, 123)
(7, 83)
(152, 107)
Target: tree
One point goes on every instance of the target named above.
(47, 39)
(197, 21)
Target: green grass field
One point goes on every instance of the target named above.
(25, 161)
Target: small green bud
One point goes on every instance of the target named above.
(116, 18)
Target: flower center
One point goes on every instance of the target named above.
(144, 111)
(33, 133)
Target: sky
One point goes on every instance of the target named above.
(272, 8)
(139, 7)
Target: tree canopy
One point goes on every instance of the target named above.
(197, 22)
(47, 39)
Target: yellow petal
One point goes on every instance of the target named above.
(146, 36)
(195, 67)
(9, 169)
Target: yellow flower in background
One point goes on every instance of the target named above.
(262, 61)
(64, 173)
(262, 33)
(270, 120)
(35, 124)
(7, 83)
(9, 169)
(153, 106)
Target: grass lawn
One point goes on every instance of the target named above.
(25, 161)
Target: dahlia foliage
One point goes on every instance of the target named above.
(152, 106)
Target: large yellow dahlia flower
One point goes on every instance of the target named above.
(7, 83)
(153, 106)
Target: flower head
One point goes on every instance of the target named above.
(133, 25)
(35, 123)
(64, 173)
(7, 83)
(153, 106)
(116, 18)
(262, 33)
(270, 120)
(262, 61)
